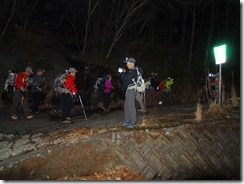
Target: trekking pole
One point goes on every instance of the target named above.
(82, 107)
(144, 99)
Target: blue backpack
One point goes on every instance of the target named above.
(100, 83)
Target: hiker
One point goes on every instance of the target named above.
(167, 91)
(36, 90)
(20, 95)
(99, 88)
(140, 97)
(57, 85)
(67, 94)
(161, 88)
(127, 77)
(107, 93)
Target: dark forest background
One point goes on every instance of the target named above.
(171, 37)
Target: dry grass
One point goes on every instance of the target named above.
(214, 107)
(118, 173)
(198, 113)
(215, 110)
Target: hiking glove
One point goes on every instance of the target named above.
(120, 70)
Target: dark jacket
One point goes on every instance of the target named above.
(37, 83)
(128, 76)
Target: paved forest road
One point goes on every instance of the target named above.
(47, 121)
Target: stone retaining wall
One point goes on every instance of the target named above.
(199, 151)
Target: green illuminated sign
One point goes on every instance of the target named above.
(220, 54)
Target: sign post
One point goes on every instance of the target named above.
(220, 57)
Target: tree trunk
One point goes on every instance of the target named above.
(169, 47)
(187, 85)
(5, 28)
(192, 39)
(227, 20)
(183, 33)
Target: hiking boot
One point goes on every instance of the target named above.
(131, 125)
(68, 118)
(14, 117)
(125, 123)
(65, 121)
(29, 117)
(105, 110)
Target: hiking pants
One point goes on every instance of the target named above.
(130, 106)
(167, 97)
(98, 98)
(67, 104)
(106, 100)
(37, 97)
(19, 101)
(140, 97)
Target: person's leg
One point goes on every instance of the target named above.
(109, 100)
(97, 99)
(35, 101)
(131, 97)
(69, 105)
(39, 100)
(25, 107)
(140, 97)
(16, 100)
(106, 100)
(64, 107)
(126, 107)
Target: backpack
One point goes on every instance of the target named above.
(100, 83)
(58, 83)
(10, 81)
(139, 85)
(30, 83)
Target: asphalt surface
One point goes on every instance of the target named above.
(47, 120)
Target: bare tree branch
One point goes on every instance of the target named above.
(122, 25)
(90, 12)
(72, 19)
(28, 16)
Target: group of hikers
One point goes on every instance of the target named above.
(133, 86)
